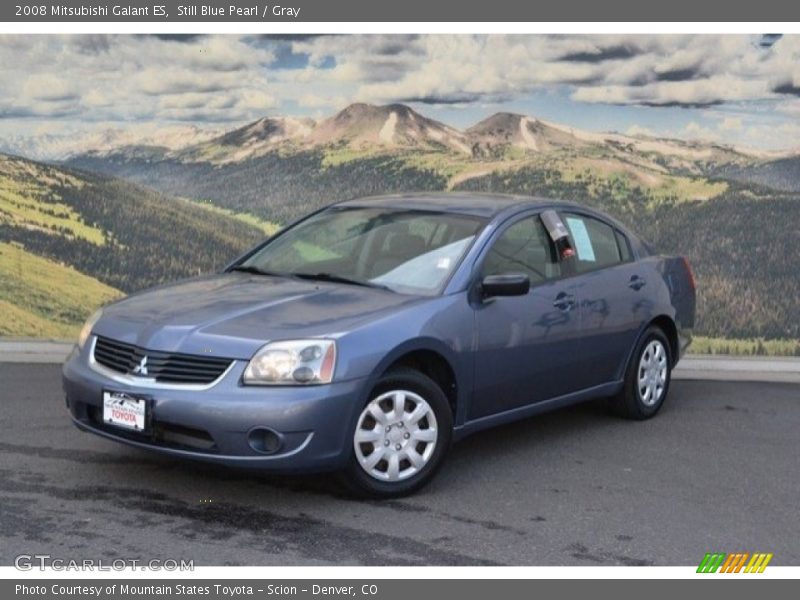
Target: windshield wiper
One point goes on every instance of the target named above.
(339, 279)
(254, 270)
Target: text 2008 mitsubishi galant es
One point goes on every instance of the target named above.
(369, 335)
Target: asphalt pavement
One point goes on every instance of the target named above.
(715, 471)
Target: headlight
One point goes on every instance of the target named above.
(294, 362)
(86, 330)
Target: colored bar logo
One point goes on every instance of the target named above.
(737, 562)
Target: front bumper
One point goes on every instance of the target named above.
(222, 424)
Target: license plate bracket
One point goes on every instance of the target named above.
(127, 411)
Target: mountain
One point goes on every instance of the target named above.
(278, 168)
(502, 130)
(358, 128)
(392, 126)
(361, 131)
(70, 241)
(249, 141)
(60, 146)
(269, 131)
(365, 129)
(265, 167)
(780, 174)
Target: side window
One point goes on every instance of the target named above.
(525, 248)
(595, 243)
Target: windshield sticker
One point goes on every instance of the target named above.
(583, 245)
(444, 262)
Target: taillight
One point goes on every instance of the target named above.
(690, 273)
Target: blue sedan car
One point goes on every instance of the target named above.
(367, 337)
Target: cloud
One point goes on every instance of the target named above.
(186, 38)
(453, 98)
(697, 131)
(230, 78)
(49, 88)
(664, 70)
(731, 124)
(790, 107)
(162, 81)
(123, 78)
(686, 74)
(638, 130)
(93, 44)
(746, 131)
(695, 93)
(769, 39)
(647, 70)
(787, 87)
(195, 100)
(317, 101)
(257, 100)
(600, 54)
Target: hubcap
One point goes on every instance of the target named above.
(653, 370)
(395, 436)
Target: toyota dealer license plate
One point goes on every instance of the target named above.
(124, 410)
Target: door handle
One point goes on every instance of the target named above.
(636, 283)
(564, 301)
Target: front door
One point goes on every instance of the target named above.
(526, 346)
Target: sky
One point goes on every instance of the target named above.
(741, 90)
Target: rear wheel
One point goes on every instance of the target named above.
(401, 436)
(647, 378)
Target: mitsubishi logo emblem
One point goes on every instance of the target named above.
(141, 368)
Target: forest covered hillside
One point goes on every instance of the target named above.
(71, 241)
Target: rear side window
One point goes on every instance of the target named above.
(524, 248)
(594, 241)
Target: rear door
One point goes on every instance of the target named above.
(527, 345)
(613, 297)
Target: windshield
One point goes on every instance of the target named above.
(407, 251)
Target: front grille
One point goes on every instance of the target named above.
(163, 367)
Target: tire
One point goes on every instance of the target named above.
(647, 378)
(411, 451)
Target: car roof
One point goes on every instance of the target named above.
(467, 203)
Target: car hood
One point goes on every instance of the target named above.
(233, 314)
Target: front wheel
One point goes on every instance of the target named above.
(401, 436)
(647, 378)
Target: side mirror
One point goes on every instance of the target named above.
(507, 284)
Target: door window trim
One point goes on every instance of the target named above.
(618, 233)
